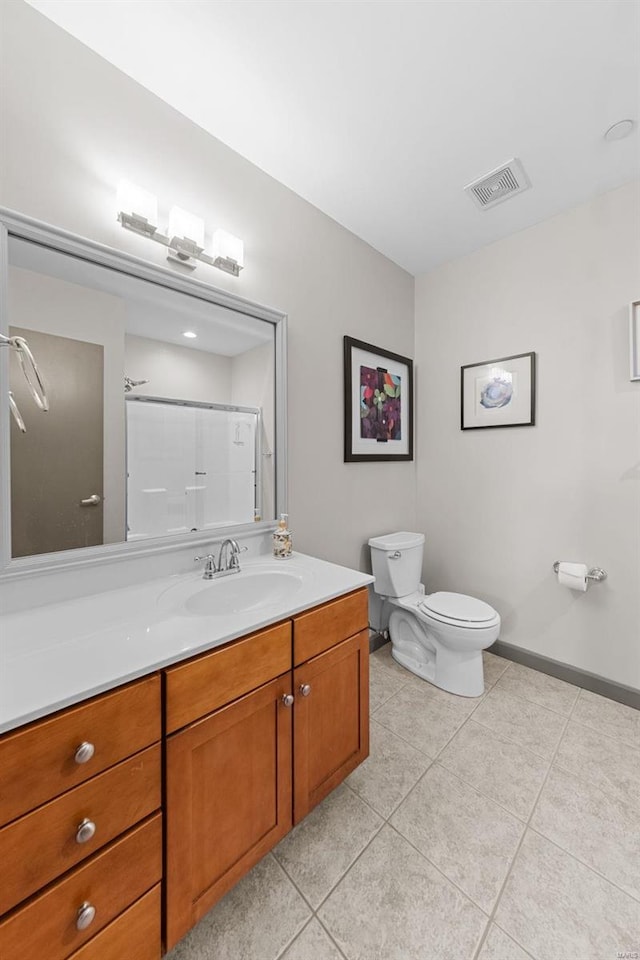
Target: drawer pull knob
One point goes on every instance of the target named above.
(86, 830)
(305, 689)
(84, 752)
(287, 699)
(86, 914)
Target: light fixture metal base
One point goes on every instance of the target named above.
(229, 266)
(182, 259)
(131, 221)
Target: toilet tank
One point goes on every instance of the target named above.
(396, 560)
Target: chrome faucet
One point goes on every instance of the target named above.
(210, 568)
(227, 560)
(229, 551)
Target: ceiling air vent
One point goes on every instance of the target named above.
(503, 182)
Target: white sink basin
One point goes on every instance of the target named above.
(238, 593)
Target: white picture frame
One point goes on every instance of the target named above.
(634, 340)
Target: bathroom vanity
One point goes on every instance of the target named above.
(159, 732)
(202, 764)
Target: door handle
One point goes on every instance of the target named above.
(91, 501)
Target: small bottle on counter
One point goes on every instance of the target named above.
(282, 542)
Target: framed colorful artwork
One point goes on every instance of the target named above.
(499, 393)
(634, 341)
(378, 403)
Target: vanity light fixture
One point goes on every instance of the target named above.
(187, 236)
(228, 252)
(138, 211)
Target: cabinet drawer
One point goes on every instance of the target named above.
(110, 881)
(42, 845)
(38, 762)
(135, 934)
(327, 625)
(197, 688)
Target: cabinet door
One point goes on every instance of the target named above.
(331, 717)
(228, 799)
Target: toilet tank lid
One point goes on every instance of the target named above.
(397, 541)
(458, 606)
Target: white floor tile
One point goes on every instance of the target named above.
(394, 905)
(558, 908)
(468, 837)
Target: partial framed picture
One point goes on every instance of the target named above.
(634, 340)
(499, 393)
(378, 403)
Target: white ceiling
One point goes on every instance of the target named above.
(380, 111)
(151, 311)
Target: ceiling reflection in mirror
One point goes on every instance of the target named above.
(161, 409)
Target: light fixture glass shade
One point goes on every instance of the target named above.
(228, 247)
(137, 202)
(186, 226)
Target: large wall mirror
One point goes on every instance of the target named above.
(140, 406)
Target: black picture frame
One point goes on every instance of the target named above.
(527, 415)
(360, 449)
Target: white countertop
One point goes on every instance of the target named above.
(62, 653)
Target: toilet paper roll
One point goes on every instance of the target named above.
(573, 575)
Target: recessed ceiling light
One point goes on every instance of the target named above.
(619, 130)
(189, 334)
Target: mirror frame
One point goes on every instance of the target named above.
(14, 224)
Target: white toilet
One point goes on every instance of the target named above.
(439, 636)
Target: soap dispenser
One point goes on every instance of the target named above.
(282, 543)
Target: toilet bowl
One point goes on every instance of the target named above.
(440, 636)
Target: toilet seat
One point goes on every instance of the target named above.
(462, 610)
(457, 609)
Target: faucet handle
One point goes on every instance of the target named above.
(210, 568)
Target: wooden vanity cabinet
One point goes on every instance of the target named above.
(331, 688)
(81, 844)
(256, 733)
(228, 798)
(260, 731)
(331, 720)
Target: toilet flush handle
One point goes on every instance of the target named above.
(395, 555)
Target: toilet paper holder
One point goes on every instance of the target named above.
(596, 573)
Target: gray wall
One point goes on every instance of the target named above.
(73, 126)
(499, 506)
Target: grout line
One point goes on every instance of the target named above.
(516, 743)
(295, 937)
(350, 867)
(535, 703)
(601, 733)
(331, 938)
(439, 870)
(521, 841)
(589, 866)
(402, 800)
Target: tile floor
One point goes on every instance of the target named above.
(502, 828)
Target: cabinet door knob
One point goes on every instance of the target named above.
(86, 914)
(84, 752)
(287, 699)
(86, 830)
(305, 689)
